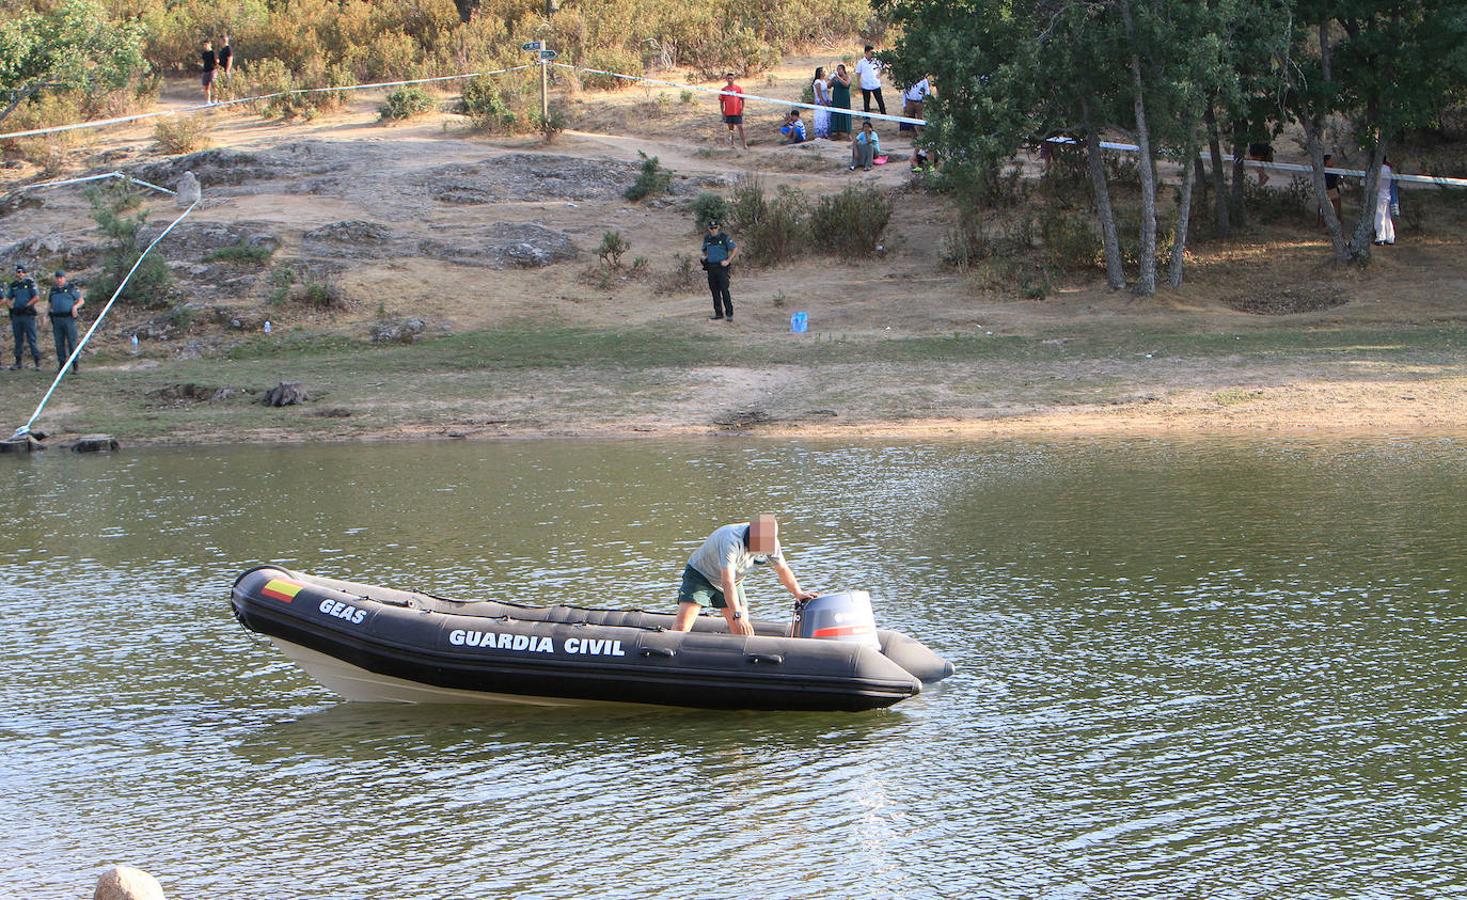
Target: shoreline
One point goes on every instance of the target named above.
(1184, 417)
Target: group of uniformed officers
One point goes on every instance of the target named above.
(62, 303)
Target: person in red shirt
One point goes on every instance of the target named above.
(733, 110)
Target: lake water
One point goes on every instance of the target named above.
(1204, 669)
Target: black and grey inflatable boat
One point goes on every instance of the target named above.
(372, 643)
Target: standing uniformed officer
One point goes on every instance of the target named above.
(22, 296)
(64, 301)
(718, 254)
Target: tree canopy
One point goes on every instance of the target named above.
(70, 46)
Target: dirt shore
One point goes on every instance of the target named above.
(430, 221)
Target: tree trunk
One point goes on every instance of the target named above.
(1315, 146)
(1358, 248)
(1219, 181)
(1146, 282)
(1240, 172)
(1184, 216)
(1115, 274)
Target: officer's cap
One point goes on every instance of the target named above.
(60, 274)
(19, 267)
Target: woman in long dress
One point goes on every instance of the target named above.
(840, 98)
(821, 91)
(1385, 227)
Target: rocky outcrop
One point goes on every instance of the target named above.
(398, 331)
(127, 883)
(350, 238)
(506, 246)
(287, 393)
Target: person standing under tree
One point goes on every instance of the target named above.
(211, 62)
(62, 304)
(733, 110)
(22, 297)
(1385, 227)
(868, 70)
(718, 254)
(226, 61)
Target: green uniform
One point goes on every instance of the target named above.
(19, 295)
(62, 306)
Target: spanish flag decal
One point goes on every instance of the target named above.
(280, 589)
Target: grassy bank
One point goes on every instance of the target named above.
(573, 381)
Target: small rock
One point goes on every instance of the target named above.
(188, 190)
(287, 393)
(127, 883)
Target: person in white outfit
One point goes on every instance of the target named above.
(1385, 228)
(868, 70)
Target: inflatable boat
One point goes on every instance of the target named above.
(370, 643)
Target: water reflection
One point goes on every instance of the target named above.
(1214, 668)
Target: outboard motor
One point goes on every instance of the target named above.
(845, 616)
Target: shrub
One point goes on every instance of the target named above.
(113, 209)
(271, 76)
(288, 286)
(613, 245)
(709, 207)
(686, 98)
(850, 223)
(1070, 240)
(612, 59)
(182, 134)
(769, 230)
(683, 276)
(1287, 203)
(652, 180)
(552, 125)
(505, 108)
(405, 103)
(240, 254)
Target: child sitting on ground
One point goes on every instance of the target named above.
(793, 129)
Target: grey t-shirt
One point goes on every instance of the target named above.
(726, 547)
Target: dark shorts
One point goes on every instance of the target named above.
(733, 120)
(207, 78)
(697, 589)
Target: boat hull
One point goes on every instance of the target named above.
(375, 644)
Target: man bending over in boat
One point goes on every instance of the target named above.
(715, 573)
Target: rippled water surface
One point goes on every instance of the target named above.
(1185, 669)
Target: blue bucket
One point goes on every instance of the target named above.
(799, 323)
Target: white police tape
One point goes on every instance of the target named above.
(202, 107)
(103, 176)
(25, 429)
(1438, 180)
(833, 110)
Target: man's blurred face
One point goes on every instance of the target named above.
(763, 534)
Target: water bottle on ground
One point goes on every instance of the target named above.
(134, 343)
(267, 326)
(799, 323)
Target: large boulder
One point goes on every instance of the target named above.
(127, 883)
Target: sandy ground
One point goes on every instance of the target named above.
(1084, 360)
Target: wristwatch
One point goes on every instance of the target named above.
(739, 614)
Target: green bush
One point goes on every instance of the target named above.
(406, 102)
(240, 254)
(496, 106)
(613, 245)
(850, 223)
(273, 77)
(117, 210)
(1070, 239)
(651, 180)
(769, 230)
(709, 207)
(182, 134)
(612, 59)
(552, 125)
